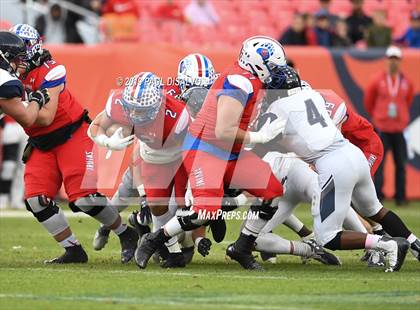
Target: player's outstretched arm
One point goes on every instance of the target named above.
(25, 113)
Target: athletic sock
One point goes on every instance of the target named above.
(294, 223)
(69, 241)
(272, 243)
(411, 238)
(372, 241)
(173, 227)
(120, 229)
(394, 226)
(173, 245)
(300, 249)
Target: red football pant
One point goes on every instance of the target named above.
(72, 163)
(209, 174)
(160, 180)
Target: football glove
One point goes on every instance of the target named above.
(40, 96)
(268, 131)
(203, 246)
(144, 217)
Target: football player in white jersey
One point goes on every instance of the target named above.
(12, 57)
(343, 172)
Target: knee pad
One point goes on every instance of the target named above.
(335, 243)
(41, 207)
(97, 206)
(190, 221)
(265, 209)
(47, 213)
(92, 204)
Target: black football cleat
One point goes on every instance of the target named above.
(246, 260)
(128, 241)
(267, 256)
(175, 260)
(319, 254)
(148, 245)
(73, 255)
(141, 229)
(415, 249)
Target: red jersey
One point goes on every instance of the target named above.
(388, 101)
(166, 131)
(234, 82)
(172, 89)
(49, 75)
(358, 130)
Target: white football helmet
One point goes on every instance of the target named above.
(142, 98)
(195, 70)
(31, 38)
(260, 55)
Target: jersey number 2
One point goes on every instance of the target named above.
(170, 113)
(313, 115)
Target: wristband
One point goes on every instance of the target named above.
(197, 241)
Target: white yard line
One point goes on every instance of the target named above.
(263, 276)
(145, 301)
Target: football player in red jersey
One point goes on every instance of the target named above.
(159, 123)
(60, 152)
(195, 75)
(214, 155)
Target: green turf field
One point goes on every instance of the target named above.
(210, 283)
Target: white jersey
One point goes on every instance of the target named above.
(10, 87)
(309, 133)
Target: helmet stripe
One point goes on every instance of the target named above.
(143, 84)
(200, 70)
(206, 66)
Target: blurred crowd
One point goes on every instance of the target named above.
(307, 22)
(330, 30)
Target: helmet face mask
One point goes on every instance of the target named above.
(195, 70)
(194, 98)
(142, 98)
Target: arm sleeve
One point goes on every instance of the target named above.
(56, 76)
(237, 87)
(11, 89)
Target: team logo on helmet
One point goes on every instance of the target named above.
(31, 38)
(266, 50)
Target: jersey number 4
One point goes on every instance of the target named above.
(313, 115)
